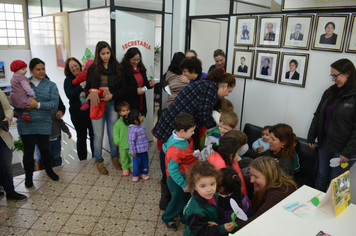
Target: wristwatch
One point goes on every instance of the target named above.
(81, 85)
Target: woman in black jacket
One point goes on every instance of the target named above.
(334, 123)
(134, 75)
(104, 83)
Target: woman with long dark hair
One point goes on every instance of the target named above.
(105, 89)
(134, 75)
(334, 124)
(174, 71)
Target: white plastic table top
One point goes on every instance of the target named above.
(278, 221)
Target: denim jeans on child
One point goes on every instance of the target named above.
(54, 150)
(140, 164)
(110, 116)
(325, 173)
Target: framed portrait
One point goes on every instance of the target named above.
(270, 31)
(351, 40)
(330, 32)
(298, 31)
(266, 66)
(293, 69)
(243, 63)
(61, 38)
(245, 34)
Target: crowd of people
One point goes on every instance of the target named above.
(205, 161)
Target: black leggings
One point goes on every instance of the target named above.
(82, 124)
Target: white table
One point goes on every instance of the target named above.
(278, 221)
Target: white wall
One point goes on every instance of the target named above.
(269, 103)
(8, 56)
(205, 42)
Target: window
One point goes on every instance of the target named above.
(13, 33)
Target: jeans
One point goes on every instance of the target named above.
(29, 142)
(140, 164)
(110, 116)
(83, 126)
(54, 150)
(6, 167)
(325, 173)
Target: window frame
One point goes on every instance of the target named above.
(25, 23)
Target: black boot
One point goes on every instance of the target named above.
(165, 197)
(28, 180)
(51, 174)
(15, 196)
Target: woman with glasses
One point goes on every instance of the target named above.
(105, 89)
(134, 74)
(334, 124)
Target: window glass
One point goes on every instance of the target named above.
(12, 30)
(34, 8)
(97, 3)
(141, 4)
(50, 7)
(70, 5)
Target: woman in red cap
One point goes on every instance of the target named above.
(21, 94)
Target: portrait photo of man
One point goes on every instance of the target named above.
(297, 35)
(242, 68)
(292, 73)
(245, 35)
(270, 35)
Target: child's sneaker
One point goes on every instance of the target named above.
(28, 118)
(134, 179)
(170, 225)
(125, 172)
(145, 177)
(84, 106)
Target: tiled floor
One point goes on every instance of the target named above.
(83, 202)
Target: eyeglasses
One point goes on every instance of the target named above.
(135, 60)
(334, 76)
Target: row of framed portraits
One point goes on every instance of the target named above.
(292, 69)
(296, 32)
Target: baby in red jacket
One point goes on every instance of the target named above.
(82, 76)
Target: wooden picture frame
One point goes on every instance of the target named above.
(298, 30)
(243, 63)
(245, 33)
(270, 31)
(61, 38)
(293, 69)
(266, 66)
(351, 39)
(336, 25)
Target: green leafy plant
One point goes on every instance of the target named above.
(158, 49)
(18, 145)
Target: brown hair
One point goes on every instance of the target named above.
(121, 105)
(97, 66)
(219, 52)
(184, 121)
(192, 51)
(219, 76)
(224, 105)
(229, 118)
(229, 145)
(285, 134)
(267, 127)
(274, 175)
(201, 170)
(67, 71)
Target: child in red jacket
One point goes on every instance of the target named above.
(82, 76)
